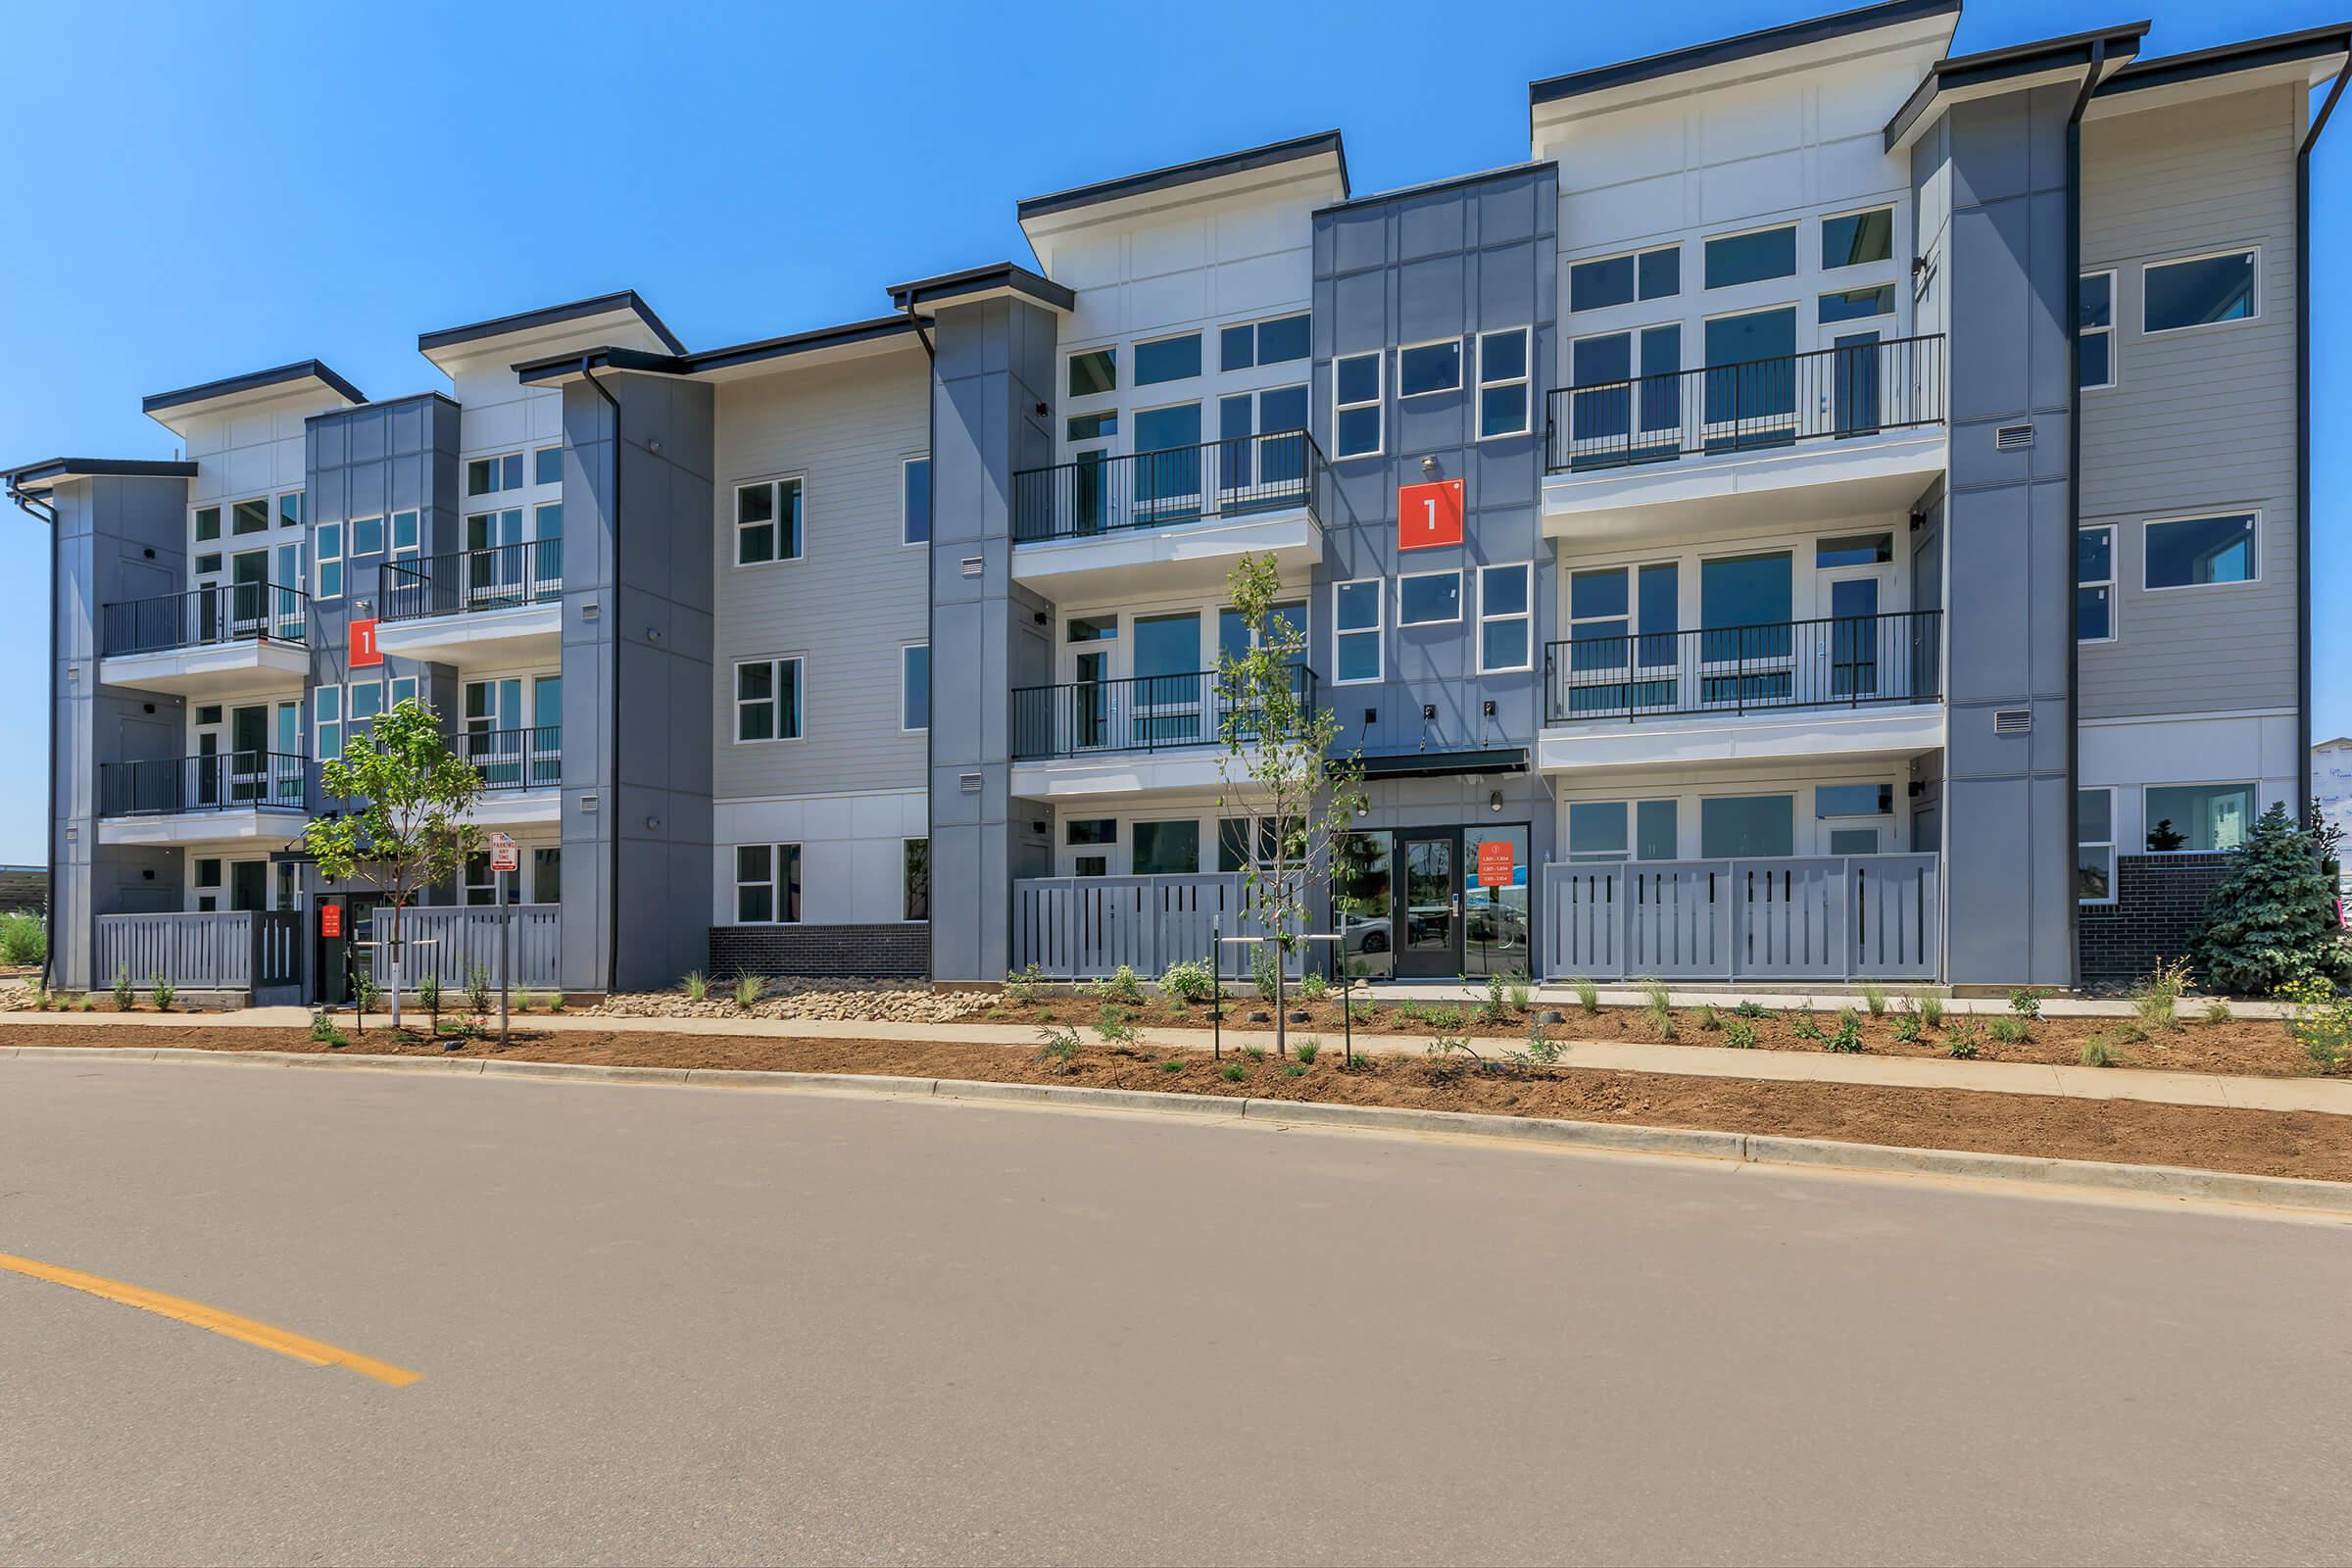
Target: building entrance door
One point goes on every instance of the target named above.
(1429, 907)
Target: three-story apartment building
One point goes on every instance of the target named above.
(1836, 510)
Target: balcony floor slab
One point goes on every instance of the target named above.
(1746, 492)
(1904, 729)
(1110, 776)
(210, 670)
(210, 826)
(1179, 558)
(477, 639)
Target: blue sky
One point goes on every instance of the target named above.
(203, 190)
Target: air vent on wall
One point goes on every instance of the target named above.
(972, 565)
(2013, 438)
(969, 783)
(2013, 721)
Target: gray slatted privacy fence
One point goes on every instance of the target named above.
(1083, 928)
(211, 952)
(468, 935)
(1830, 917)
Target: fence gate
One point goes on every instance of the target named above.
(277, 937)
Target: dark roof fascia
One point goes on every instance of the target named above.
(2255, 54)
(949, 286)
(300, 370)
(811, 342)
(99, 468)
(1295, 150)
(1456, 182)
(2009, 61)
(1444, 764)
(608, 358)
(383, 403)
(1746, 46)
(626, 299)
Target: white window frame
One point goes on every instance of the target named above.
(1632, 854)
(2248, 320)
(1377, 631)
(1526, 362)
(2111, 582)
(394, 696)
(1528, 569)
(383, 525)
(302, 506)
(905, 728)
(2114, 309)
(228, 519)
(1461, 367)
(1797, 271)
(904, 518)
(774, 484)
(351, 709)
(1575, 262)
(498, 462)
(799, 695)
(2108, 843)
(2147, 523)
(1257, 361)
(536, 452)
(2252, 787)
(1376, 403)
(1454, 620)
(1134, 351)
(1822, 220)
(321, 722)
(393, 548)
(324, 558)
(775, 882)
(1088, 398)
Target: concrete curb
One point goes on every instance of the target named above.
(2152, 1181)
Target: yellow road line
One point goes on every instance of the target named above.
(315, 1353)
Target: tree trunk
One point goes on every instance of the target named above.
(392, 961)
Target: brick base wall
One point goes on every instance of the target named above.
(2159, 904)
(822, 951)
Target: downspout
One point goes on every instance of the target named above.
(613, 734)
(46, 512)
(930, 620)
(2319, 122)
(2074, 492)
(916, 322)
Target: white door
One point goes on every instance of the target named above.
(1860, 650)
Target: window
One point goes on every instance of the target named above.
(206, 565)
(1621, 403)
(1167, 848)
(915, 501)
(327, 712)
(1355, 405)
(208, 873)
(914, 686)
(250, 517)
(2094, 846)
(1505, 619)
(1253, 343)
(1734, 259)
(1854, 799)
(547, 875)
(1092, 426)
(2094, 331)
(546, 465)
(1273, 465)
(767, 521)
(1742, 826)
(1856, 304)
(1356, 631)
(481, 883)
(404, 536)
(2199, 552)
(1621, 279)
(2095, 585)
(2198, 291)
(1428, 367)
(1247, 841)
(767, 884)
(1596, 830)
(1854, 549)
(330, 560)
(1857, 237)
(1167, 359)
(487, 476)
(2194, 818)
(1429, 599)
(1502, 400)
(208, 523)
(1091, 830)
(915, 877)
(767, 700)
(402, 689)
(289, 510)
(363, 701)
(1092, 372)
(1751, 376)
(367, 536)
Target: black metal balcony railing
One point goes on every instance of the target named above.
(225, 781)
(222, 613)
(1838, 393)
(515, 759)
(499, 577)
(1846, 661)
(1139, 713)
(1106, 493)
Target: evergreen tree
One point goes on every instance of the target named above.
(2274, 922)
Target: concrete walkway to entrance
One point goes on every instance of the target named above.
(2330, 1094)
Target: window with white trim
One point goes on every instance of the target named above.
(206, 521)
(767, 700)
(327, 714)
(1599, 830)
(1504, 404)
(2197, 551)
(407, 538)
(493, 475)
(1852, 240)
(1356, 381)
(1355, 622)
(1424, 368)
(1607, 281)
(915, 500)
(363, 700)
(914, 686)
(1429, 597)
(1167, 359)
(1505, 618)
(249, 516)
(367, 536)
(547, 465)
(290, 508)
(767, 884)
(330, 560)
(2094, 584)
(2199, 291)
(2094, 846)
(1247, 345)
(2094, 331)
(2197, 818)
(767, 521)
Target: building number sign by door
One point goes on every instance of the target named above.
(1429, 514)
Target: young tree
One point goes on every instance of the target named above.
(1278, 765)
(406, 824)
(2274, 922)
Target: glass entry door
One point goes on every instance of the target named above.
(1432, 905)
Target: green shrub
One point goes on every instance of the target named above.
(1657, 1006)
(1875, 999)
(1115, 1028)
(697, 984)
(2024, 1004)
(2156, 1000)
(1188, 980)
(2217, 1011)
(1314, 987)
(1749, 1010)
(1060, 1048)
(429, 990)
(1537, 1050)
(1961, 1044)
(1588, 995)
(1362, 1012)
(1906, 1027)
(323, 1027)
(1172, 1066)
(1709, 1018)
(2273, 921)
(477, 988)
(1495, 1008)
(1847, 1038)
(1025, 985)
(1294, 1070)
(124, 993)
(1805, 1026)
(1265, 970)
(1122, 988)
(1308, 1049)
(2100, 1051)
(1931, 1008)
(1231, 1072)
(1522, 993)
(1254, 1053)
(2320, 1021)
(366, 995)
(2011, 1030)
(24, 940)
(1739, 1035)
(749, 989)
(162, 991)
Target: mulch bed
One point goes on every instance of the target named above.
(2255, 1142)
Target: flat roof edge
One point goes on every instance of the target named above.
(251, 381)
(627, 299)
(1295, 150)
(1743, 46)
(2253, 54)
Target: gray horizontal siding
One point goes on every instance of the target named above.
(2201, 420)
(859, 593)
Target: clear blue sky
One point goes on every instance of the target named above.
(203, 190)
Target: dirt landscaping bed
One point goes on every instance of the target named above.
(2254, 1142)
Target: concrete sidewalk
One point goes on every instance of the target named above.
(2332, 1096)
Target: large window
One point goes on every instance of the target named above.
(1856, 304)
(1429, 599)
(1426, 367)
(1167, 848)
(2095, 585)
(1356, 631)
(915, 880)
(2198, 817)
(250, 517)
(914, 686)
(767, 700)
(290, 509)
(2199, 291)
(915, 504)
(546, 465)
(767, 884)
(2095, 330)
(489, 476)
(2094, 846)
(1092, 372)
(2199, 552)
(1253, 343)
(1505, 618)
(767, 521)
(1503, 384)
(1752, 258)
(330, 560)
(207, 524)
(326, 711)
(1643, 394)
(1747, 826)
(1167, 359)
(1355, 405)
(1618, 831)
(1854, 238)
(1609, 280)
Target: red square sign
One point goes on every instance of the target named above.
(1494, 864)
(1429, 514)
(330, 919)
(363, 646)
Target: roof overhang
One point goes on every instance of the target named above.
(2302, 59)
(1000, 280)
(2015, 67)
(48, 475)
(828, 345)
(1227, 174)
(1444, 764)
(169, 407)
(621, 317)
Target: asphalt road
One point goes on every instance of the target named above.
(662, 1324)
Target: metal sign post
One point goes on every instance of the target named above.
(505, 861)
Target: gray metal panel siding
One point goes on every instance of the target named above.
(2199, 420)
(858, 595)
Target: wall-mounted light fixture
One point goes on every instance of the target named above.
(1495, 801)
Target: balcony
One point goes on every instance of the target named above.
(1120, 737)
(224, 797)
(476, 609)
(521, 769)
(219, 639)
(1172, 521)
(1747, 445)
(1850, 685)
